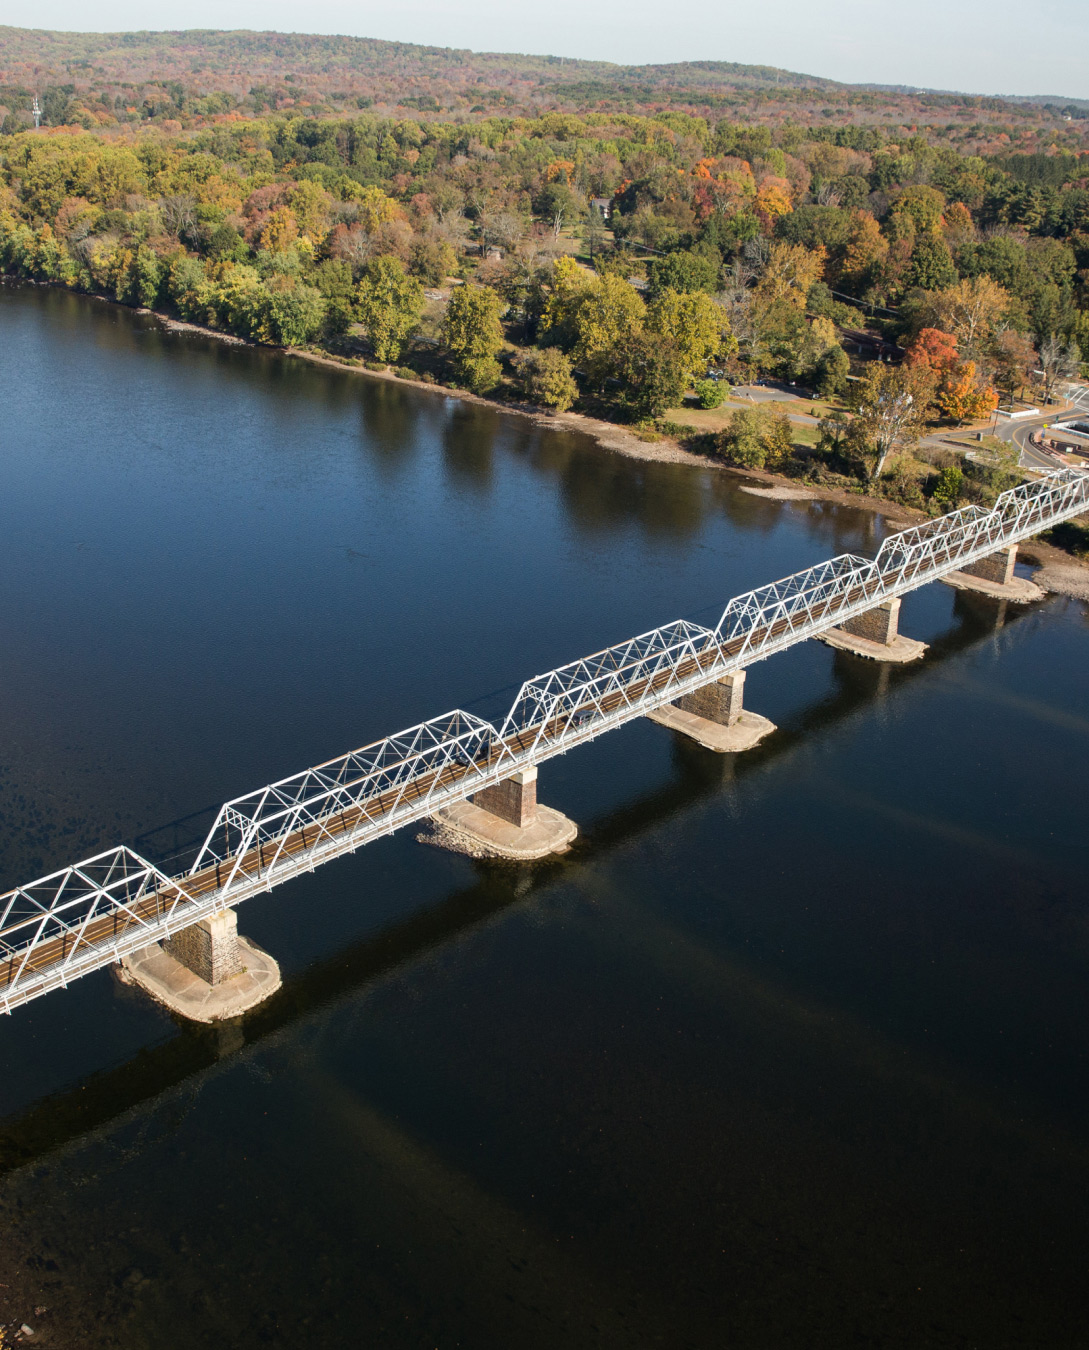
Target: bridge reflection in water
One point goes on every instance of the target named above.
(313, 995)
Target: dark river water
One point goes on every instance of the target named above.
(790, 1050)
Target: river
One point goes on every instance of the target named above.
(790, 1050)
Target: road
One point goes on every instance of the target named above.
(743, 394)
(1019, 432)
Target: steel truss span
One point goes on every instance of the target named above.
(89, 915)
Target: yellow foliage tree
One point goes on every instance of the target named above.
(310, 204)
(569, 285)
(281, 230)
(773, 198)
(971, 310)
(608, 315)
(789, 274)
(697, 327)
(867, 249)
(375, 208)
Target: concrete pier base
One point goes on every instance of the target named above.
(715, 716)
(1020, 589)
(246, 975)
(503, 821)
(748, 730)
(994, 576)
(897, 652)
(464, 827)
(875, 635)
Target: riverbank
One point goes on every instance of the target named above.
(622, 441)
(1059, 573)
(1064, 574)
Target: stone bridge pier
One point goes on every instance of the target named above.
(504, 820)
(206, 972)
(715, 716)
(875, 634)
(994, 576)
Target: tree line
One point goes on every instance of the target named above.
(730, 252)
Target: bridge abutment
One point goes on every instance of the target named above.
(503, 820)
(715, 716)
(206, 972)
(875, 634)
(994, 576)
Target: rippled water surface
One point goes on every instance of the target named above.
(790, 1050)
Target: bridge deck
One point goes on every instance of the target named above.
(86, 916)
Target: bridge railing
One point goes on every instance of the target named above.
(250, 833)
(77, 919)
(88, 914)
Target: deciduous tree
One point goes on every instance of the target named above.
(1059, 360)
(608, 316)
(756, 438)
(891, 405)
(697, 327)
(390, 304)
(546, 378)
(473, 335)
(962, 396)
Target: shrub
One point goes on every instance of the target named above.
(375, 365)
(1072, 536)
(711, 393)
(480, 373)
(948, 488)
(545, 377)
(404, 373)
(756, 438)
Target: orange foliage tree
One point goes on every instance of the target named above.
(933, 349)
(962, 396)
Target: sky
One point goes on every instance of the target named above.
(978, 46)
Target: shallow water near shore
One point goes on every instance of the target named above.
(790, 1050)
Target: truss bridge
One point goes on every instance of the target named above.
(105, 908)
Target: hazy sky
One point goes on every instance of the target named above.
(980, 46)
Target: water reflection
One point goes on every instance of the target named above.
(389, 416)
(468, 441)
(697, 774)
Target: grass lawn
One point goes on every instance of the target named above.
(716, 419)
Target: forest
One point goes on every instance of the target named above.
(623, 264)
(111, 79)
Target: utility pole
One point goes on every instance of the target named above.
(36, 112)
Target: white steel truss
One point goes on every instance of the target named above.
(94, 912)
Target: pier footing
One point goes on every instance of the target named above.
(464, 827)
(994, 576)
(1018, 589)
(875, 634)
(161, 975)
(748, 730)
(897, 652)
(714, 716)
